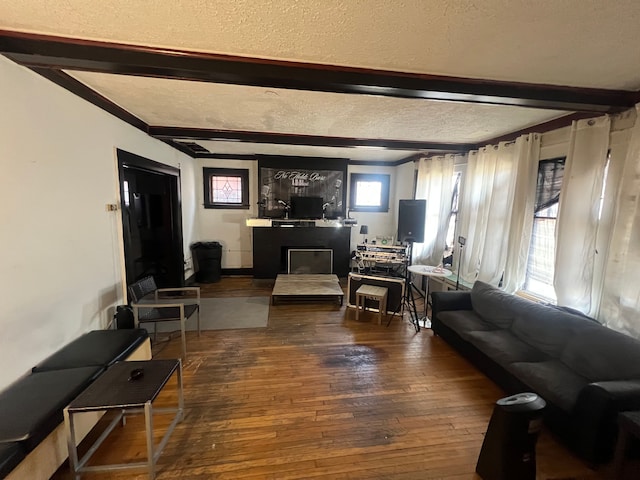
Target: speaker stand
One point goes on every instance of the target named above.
(409, 300)
(459, 265)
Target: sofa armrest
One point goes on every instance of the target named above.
(450, 300)
(595, 415)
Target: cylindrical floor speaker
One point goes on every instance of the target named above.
(509, 446)
(411, 216)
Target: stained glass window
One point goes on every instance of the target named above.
(226, 188)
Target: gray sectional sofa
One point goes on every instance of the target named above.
(586, 372)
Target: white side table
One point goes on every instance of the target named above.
(428, 271)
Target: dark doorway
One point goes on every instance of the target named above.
(151, 220)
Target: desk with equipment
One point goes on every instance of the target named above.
(387, 260)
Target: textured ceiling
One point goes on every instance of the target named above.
(567, 43)
(588, 43)
(356, 154)
(234, 107)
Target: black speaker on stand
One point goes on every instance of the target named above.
(409, 300)
(411, 217)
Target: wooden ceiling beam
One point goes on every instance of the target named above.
(44, 51)
(181, 133)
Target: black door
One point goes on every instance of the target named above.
(151, 221)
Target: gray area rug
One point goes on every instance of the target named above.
(225, 314)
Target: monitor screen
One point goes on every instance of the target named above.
(306, 207)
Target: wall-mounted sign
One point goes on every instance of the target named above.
(282, 178)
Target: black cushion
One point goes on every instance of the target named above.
(504, 348)
(11, 454)
(96, 348)
(32, 406)
(463, 322)
(552, 380)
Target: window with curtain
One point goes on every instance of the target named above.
(542, 251)
(621, 286)
(451, 231)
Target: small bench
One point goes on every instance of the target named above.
(306, 286)
(372, 292)
(32, 436)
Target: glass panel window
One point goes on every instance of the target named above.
(453, 219)
(542, 250)
(226, 188)
(369, 192)
(542, 254)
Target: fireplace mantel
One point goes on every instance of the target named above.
(271, 245)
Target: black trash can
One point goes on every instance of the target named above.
(509, 447)
(207, 261)
(123, 317)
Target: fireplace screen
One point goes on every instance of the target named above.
(310, 261)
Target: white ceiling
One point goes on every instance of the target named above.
(576, 43)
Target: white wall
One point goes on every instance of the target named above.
(228, 226)
(404, 184)
(61, 251)
(379, 223)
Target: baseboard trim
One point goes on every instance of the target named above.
(237, 271)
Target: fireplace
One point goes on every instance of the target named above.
(309, 261)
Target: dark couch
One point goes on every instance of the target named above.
(586, 372)
(32, 406)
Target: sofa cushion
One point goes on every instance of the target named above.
(552, 380)
(96, 348)
(548, 329)
(32, 406)
(495, 306)
(504, 348)
(464, 321)
(11, 454)
(602, 354)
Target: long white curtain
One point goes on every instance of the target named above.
(621, 289)
(527, 154)
(486, 210)
(579, 207)
(435, 184)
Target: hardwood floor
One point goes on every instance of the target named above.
(318, 394)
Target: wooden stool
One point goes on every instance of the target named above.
(371, 292)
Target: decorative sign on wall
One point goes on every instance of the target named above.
(301, 187)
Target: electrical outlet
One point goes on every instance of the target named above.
(188, 264)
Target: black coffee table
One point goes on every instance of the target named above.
(129, 388)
